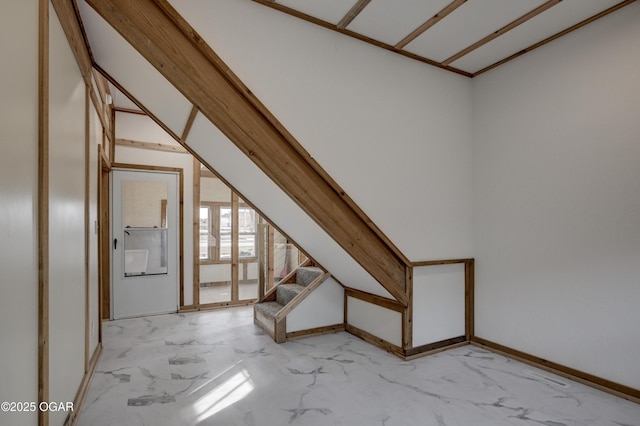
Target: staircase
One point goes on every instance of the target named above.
(271, 311)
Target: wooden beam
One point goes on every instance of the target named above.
(187, 128)
(524, 18)
(149, 26)
(555, 36)
(374, 299)
(151, 145)
(129, 110)
(196, 232)
(430, 23)
(344, 31)
(351, 14)
(439, 262)
(67, 15)
(43, 209)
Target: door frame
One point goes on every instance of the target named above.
(180, 172)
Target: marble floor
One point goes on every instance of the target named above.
(217, 368)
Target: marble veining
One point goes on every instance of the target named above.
(217, 368)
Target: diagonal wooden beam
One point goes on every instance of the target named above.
(521, 20)
(150, 29)
(352, 13)
(430, 23)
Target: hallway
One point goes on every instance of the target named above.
(217, 368)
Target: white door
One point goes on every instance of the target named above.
(145, 234)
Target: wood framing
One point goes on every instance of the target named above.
(605, 385)
(352, 13)
(430, 23)
(521, 20)
(375, 299)
(328, 329)
(104, 235)
(151, 146)
(43, 209)
(407, 313)
(235, 250)
(352, 34)
(196, 232)
(374, 340)
(156, 30)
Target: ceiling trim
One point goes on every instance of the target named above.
(430, 23)
(357, 36)
(521, 20)
(555, 36)
(351, 14)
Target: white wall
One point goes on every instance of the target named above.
(323, 307)
(142, 128)
(19, 209)
(391, 131)
(66, 221)
(438, 303)
(95, 138)
(557, 199)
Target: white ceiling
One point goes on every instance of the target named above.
(387, 22)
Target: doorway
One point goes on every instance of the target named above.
(145, 232)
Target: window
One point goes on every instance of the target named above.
(216, 240)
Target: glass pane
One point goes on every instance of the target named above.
(206, 239)
(225, 232)
(143, 204)
(145, 251)
(286, 257)
(247, 232)
(215, 283)
(248, 280)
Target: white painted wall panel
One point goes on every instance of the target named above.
(66, 221)
(438, 303)
(557, 195)
(381, 322)
(394, 133)
(129, 155)
(18, 209)
(323, 307)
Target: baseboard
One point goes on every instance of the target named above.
(599, 383)
(432, 348)
(329, 329)
(72, 418)
(375, 341)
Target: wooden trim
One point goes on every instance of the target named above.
(317, 331)
(190, 120)
(555, 36)
(196, 231)
(181, 240)
(155, 29)
(375, 299)
(151, 145)
(262, 227)
(271, 277)
(81, 395)
(330, 26)
(407, 314)
(235, 249)
(129, 110)
(469, 298)
(521, 20)
(87, 226)
(442, 344)
(43, 209)
(439, 262)
(374, 340)
(436, 350)
(228, 304)
(188, 308)
(352, 13)
(280, 330)
(104, 236)
(430, 23)
(146, 167)
(605, 385)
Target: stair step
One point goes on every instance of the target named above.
(307, 274)
(286, 292)
(268, 309)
